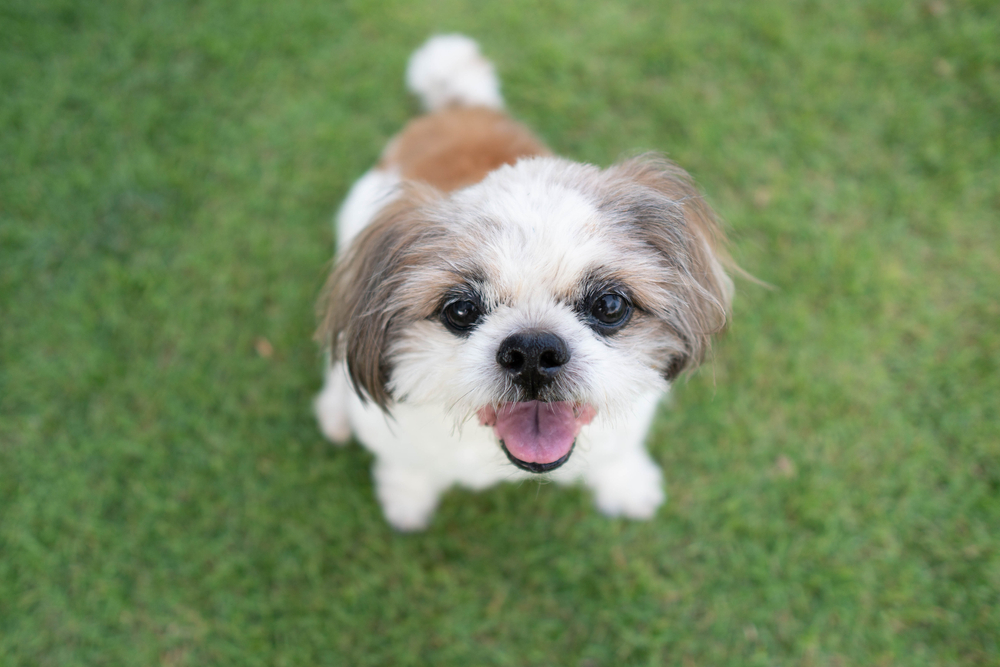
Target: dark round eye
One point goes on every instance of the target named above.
(461, 316)
(610, 310)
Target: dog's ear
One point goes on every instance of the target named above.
(662, 209)
(364, 304)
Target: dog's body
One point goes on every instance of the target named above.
(478, 276)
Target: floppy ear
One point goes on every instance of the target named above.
(364, 304)
(663, 210)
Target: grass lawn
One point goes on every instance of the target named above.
(168, 172)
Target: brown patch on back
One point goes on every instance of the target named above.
(456, 147)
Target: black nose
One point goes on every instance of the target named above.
(533, 358)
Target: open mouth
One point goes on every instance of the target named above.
(537, 436)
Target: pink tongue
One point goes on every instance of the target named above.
(537, 432)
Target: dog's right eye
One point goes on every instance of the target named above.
(461, 316)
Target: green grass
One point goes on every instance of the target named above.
(168, 171)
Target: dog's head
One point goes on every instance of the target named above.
(546, 294)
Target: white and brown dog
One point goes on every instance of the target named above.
(498, 312)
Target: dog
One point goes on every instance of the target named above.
(497, 312)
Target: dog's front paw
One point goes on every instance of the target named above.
(408, 499)
(332, 418)
(632, 488)
(330, 407)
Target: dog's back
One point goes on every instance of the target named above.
(465, 135)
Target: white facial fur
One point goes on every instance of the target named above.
(534, 234)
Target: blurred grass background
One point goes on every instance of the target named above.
(168, 172)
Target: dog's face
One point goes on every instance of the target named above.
(547, 294)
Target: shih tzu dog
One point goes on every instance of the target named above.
(497, 312)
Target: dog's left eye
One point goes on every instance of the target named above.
(461, 316)
(610, 310)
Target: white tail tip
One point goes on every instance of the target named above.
(449, 70)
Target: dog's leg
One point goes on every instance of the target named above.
(407, 496)
(631, 487)
(623, 477)
(331, 405)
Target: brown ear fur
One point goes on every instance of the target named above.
(662, 209)
(364, 303)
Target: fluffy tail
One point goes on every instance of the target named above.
(448, 70)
